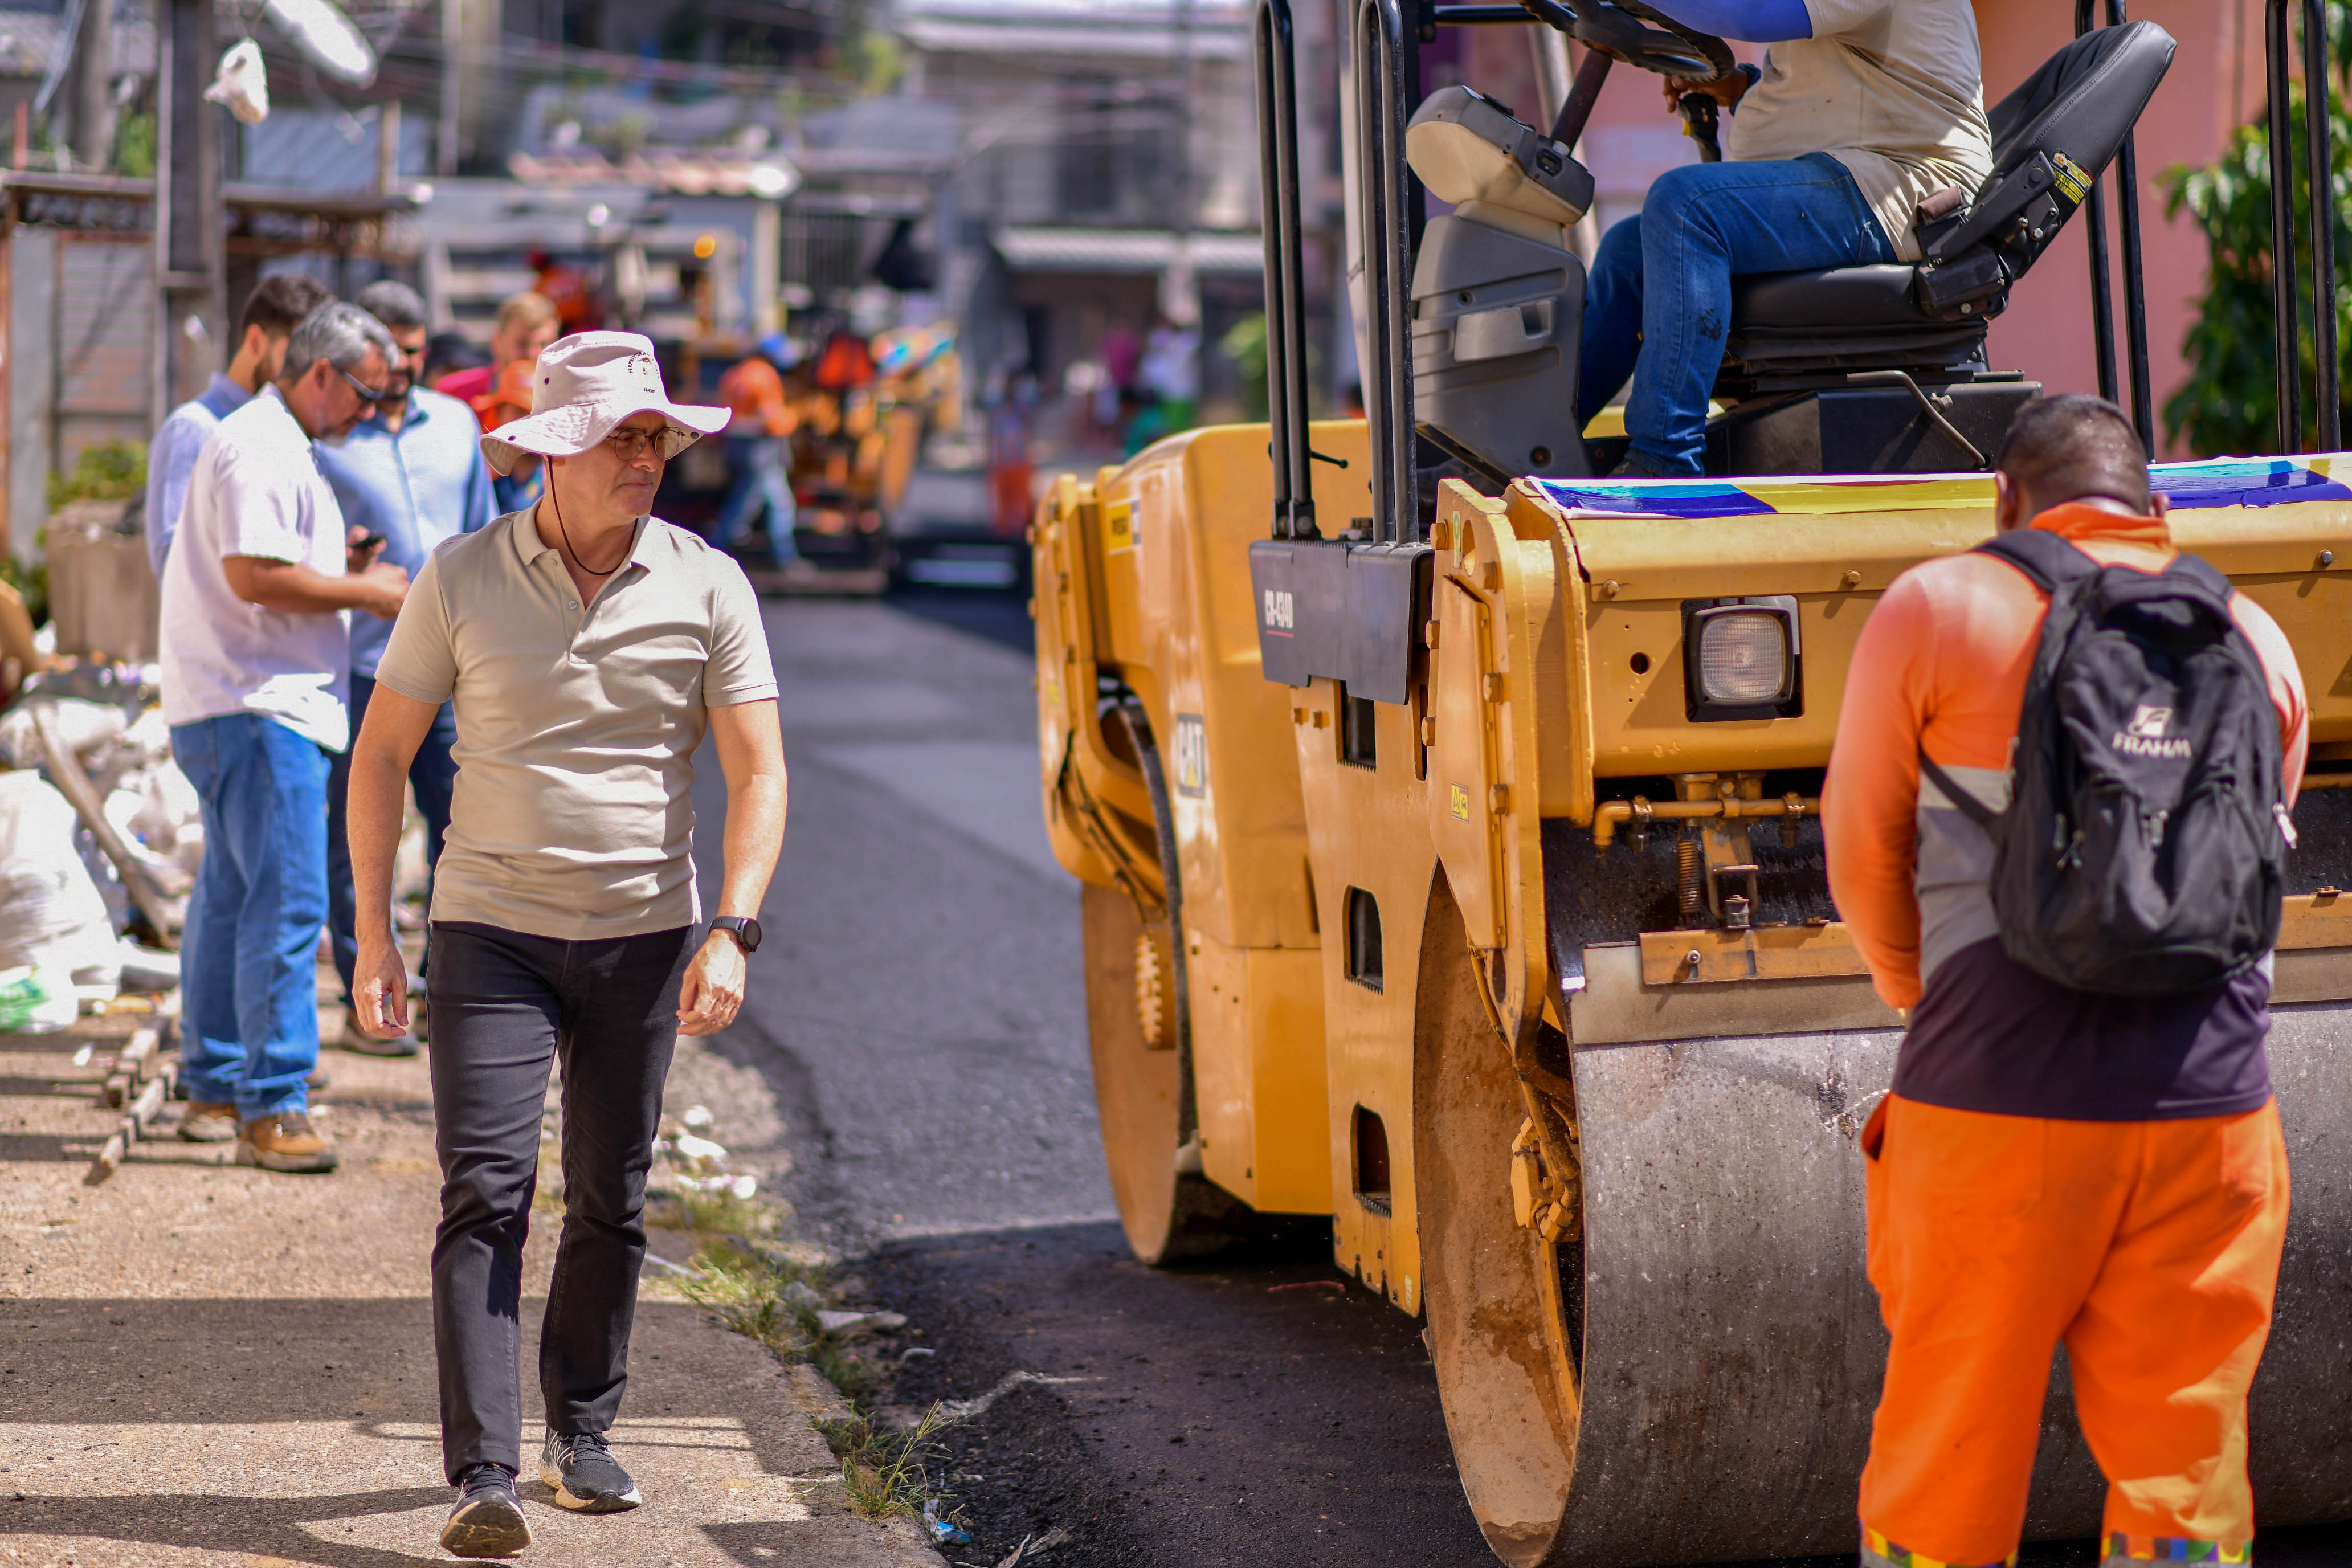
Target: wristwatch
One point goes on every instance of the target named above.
(742, 928)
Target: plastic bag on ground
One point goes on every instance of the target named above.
(51, 915)
(38, 1001)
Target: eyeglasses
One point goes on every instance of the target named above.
(630, 445)
(367, 394)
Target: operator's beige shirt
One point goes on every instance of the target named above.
(577, 722)
(1892, 89)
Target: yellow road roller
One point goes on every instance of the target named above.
(1433, 881)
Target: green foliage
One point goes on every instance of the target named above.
(106, 470)
(2229, 402)
(32, 582)
(134, 146)
(752, 1293)
(1244, 344)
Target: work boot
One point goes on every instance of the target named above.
(586, 1477)
(1640, 465)
(208, 1121)
(487, 1521)
(355, 1038)
(285, 1143)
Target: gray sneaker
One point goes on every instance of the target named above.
(586, 1477)
(206, 1122)
(359, 1041)
(487, 1521)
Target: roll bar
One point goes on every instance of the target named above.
(2285, 341)
(2143, 410)
(1388, 199)
(1285, 313)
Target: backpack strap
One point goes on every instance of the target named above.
(1975, 810)
(2049, 560)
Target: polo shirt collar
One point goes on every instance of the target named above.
(529, 546)
(271, 394)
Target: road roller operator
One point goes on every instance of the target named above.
(1864, 112)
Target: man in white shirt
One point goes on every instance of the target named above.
(273, 312)
(257, 591)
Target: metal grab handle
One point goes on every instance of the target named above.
(2143, 410)
(2285, 341)
(1385, 191)
(1286, 314)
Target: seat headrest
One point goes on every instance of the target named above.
(2084, 100)
(1467, 148)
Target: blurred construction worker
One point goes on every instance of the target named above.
(588, 647)
(527, 323)
(257, 596)
(411, 477)
(2054, 1165)
(758, 449)
(271, 313)
(567, 287)
(509, 400)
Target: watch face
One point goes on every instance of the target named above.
(751, 934)
(746, 930)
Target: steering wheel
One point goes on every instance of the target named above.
(1623, 30)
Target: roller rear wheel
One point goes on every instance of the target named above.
(1168, 1215)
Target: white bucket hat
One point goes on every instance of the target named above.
(585, 384)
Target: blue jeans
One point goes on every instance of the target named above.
(249, 1031)
(757, 463)
(1660, 295)
(433, 775)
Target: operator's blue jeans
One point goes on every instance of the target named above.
(433, 775)
(249, 1031)
(1659, 299)
(757, 463)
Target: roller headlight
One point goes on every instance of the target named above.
(1740, 659)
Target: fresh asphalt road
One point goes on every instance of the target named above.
(919, 1008)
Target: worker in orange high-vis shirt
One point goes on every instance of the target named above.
(2052, 1165)
(759, 450)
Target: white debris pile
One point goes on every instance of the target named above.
(149, 800)
(699, 1164)
(53, 921)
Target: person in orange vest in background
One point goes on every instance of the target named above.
(567, 289)
(2057, 1163)
(527, 323)
(759, 450)
(506, 402)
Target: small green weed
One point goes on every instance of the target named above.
(719, 1213)
(887, 1474)
(753, 1293)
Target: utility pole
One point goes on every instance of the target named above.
(191, 259)
(93, 85)
(445, 150)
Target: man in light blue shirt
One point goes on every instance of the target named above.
(271, 315)
(412, 476)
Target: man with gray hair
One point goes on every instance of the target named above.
(412, 476)
(257, 594)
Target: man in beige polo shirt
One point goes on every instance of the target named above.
(587, 646)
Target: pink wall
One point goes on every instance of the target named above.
(2215, 83)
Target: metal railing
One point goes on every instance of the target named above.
(2285, 341)
(1285, 310)
(1387, 199)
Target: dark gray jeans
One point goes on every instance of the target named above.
(504, 1005)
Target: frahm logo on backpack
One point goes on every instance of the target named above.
(2144, 848)
(2145, 736)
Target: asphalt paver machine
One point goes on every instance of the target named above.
(1450, 855)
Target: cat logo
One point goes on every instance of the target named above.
(1276, 612)
(1119, 526)
(1459, 799)
(1191, 756)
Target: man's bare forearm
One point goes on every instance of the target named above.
(293, 589)
(754, 839)
(372, 816)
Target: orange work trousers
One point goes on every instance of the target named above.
(2151, 1249)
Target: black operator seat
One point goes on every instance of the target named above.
(2051, 138)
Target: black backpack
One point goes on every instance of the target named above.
(2144, 848)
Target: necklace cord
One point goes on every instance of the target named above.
(577, 559)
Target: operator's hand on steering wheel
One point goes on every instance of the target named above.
(1726, 92)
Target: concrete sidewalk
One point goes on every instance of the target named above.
(218, 1365)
